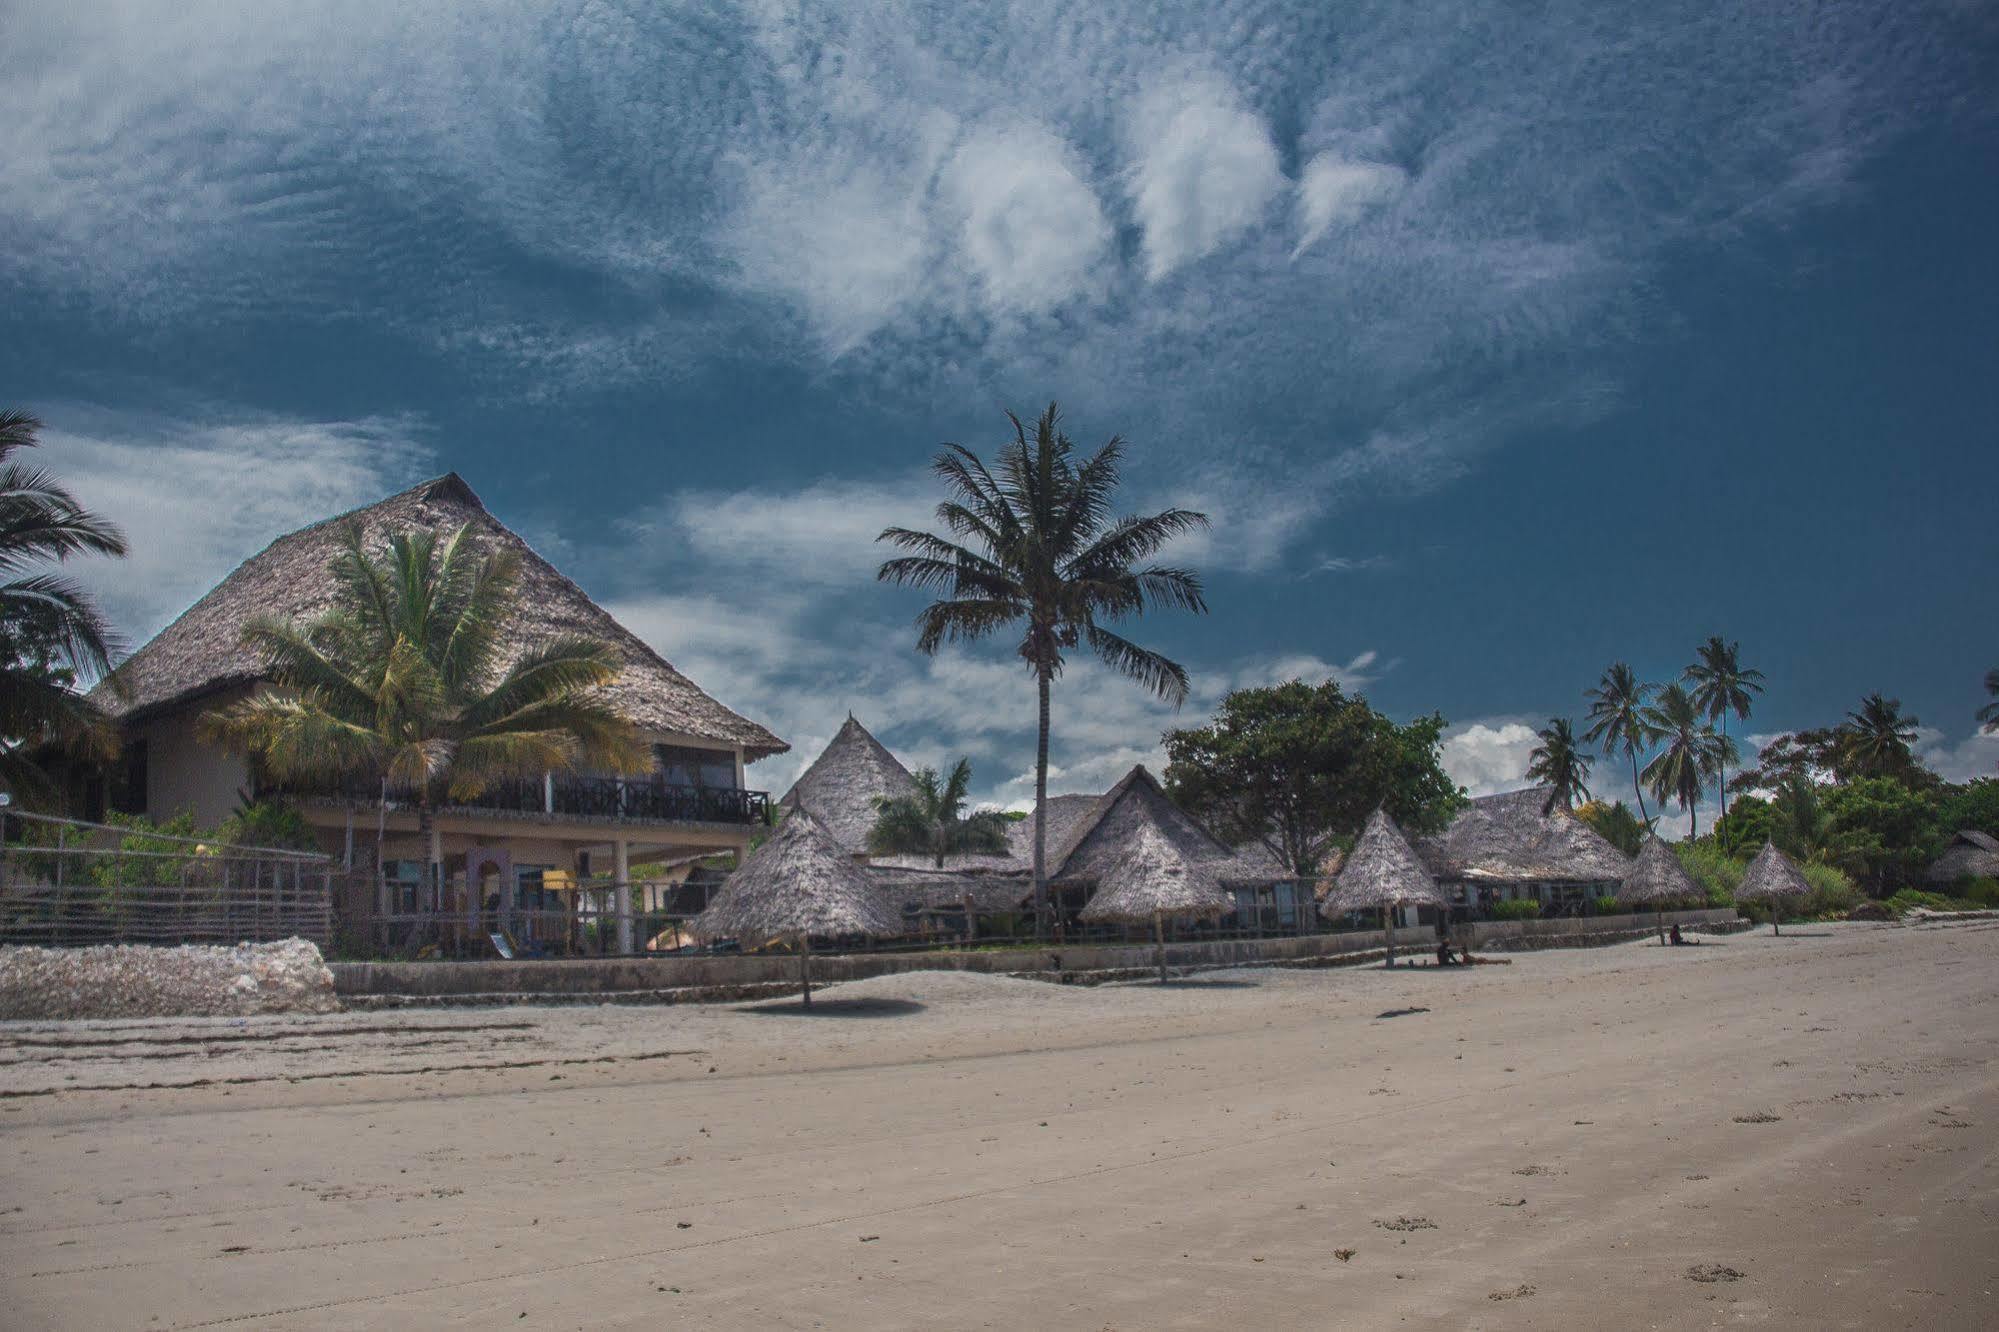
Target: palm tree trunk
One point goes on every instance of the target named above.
(1040, 812)
(1638, 788)
(1722, 764)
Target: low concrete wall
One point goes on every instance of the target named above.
(735, 976)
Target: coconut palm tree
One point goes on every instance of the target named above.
(53, 638)
(1558, 763)
(1722, 685)
(1876, 737)
(931, 820)
(1032, 547)
(401, 683)
(1989, 714)
(1692, 752)
(1617, 712)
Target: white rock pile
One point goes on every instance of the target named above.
(133, 980)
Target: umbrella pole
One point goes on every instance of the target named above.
(1388, 928)
(1776, 912)
(1659, 918)
(805, 966)
(1159, 942)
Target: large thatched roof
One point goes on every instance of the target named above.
(1509, 839)
(800, 881)
(1771, 874)
(1092, 843)
(1970, 855)
(1657, 876)
(1151, 874)
(843, 783)
(202, 651)
(1383, 870)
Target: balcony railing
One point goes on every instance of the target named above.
(638, 799)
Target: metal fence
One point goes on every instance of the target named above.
(67, 883)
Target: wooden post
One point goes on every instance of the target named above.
(1159, 942)
(1388, 927)
(1776, 910)
(1659, 918)
(805, 967)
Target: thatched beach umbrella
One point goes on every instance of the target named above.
(797, 884)
(1772, 875)
(1152, 879)
(1383, 872)
(1656, 878)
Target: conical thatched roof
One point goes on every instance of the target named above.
(843, 783)
(798, 882)
(1657, 876)
(202, 651)
(1152, 875)
(1771, 874)
(1094, 841)
(1515, 837)
(1971, 855)
(1383, 870)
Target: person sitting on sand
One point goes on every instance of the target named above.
(1678, 942)
(1444, 958)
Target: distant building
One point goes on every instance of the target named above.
(1515, 846)
(1970, 854)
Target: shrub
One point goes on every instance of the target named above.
(1908, 899)
(1985, 892)
(1713, 869)
(1525, 908)
(1609, 906)
(1833, 893)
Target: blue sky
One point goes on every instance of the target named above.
(1497, 348)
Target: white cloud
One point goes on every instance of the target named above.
(1490, 756)
(1335, 192)
(1029, 227)
(1977, 755)
(822, 533)
(198, 496)
(1203, 172)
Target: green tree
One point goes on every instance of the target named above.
(1556, 762)
(1616, 824)
(1973, 805)
(1032, 546)
(1815, 755)
(1618, 710)
(1988, 715)
(1721, 685)
(1750, 822)
(1692, 752)
(401, 682)
(53, 639)
(1876, 738)
(1884, 832)
(1299, 767)
(1800, 824)
(931, 821)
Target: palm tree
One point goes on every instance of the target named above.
(1559, 764)
(1692, 753)
(1722, 685)
(1032, 544)
(53, 638)
(400, 684)
(1617, 721)
(1989, 714)
(1803, 828)
(931, 820)
(1877, 737)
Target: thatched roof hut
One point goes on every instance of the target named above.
(1516, 837)
(1971, 854)
(1093, 841)
(1771, 877)
(1382, 872)
(1657, 876)
(1151, 877)
(843, 783)
(202, 652)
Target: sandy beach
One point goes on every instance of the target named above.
(1792, 1132)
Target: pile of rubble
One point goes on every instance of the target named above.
(125, 981)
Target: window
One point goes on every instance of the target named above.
(684, 765)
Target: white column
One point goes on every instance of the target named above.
(622, 903)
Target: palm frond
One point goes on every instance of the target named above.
(1155, 672)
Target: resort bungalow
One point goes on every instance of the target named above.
(1511, 847)
(518, 839)
(1970, 854)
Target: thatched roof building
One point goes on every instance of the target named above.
(202, 653)
(1382, 871)
(1516, 838)
(1093, 840)
(843, 783)
(1971, 854)
(1150, 877)
(800, 882)
(1657, 876)
(1771, 875)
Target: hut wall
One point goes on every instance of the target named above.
(183, 772)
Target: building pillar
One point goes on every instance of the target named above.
(622, 894)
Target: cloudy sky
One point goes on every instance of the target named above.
(1496, 348)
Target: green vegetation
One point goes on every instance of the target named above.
(1616, 824)
(1556, 762)
(1523, 908)
(932, 821)
(1299, 767)
(1032, 546)
(1607, 906)
(1717, 872)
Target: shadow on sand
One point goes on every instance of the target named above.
(836, 1008)
(1193, 983)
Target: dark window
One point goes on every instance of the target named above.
(127, 793)
(684, 765)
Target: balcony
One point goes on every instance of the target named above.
(650, 799)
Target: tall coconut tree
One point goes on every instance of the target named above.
(931, 820)
(53, 638)
(1876, 737)
(1557, 762)
(1721, 685)
(1989, 714)
(1691, 752)
(402, 681)
(1617, 712)
(1031, 547)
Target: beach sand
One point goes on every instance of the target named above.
(1790, 1132)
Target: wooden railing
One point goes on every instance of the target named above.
(640, 799)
